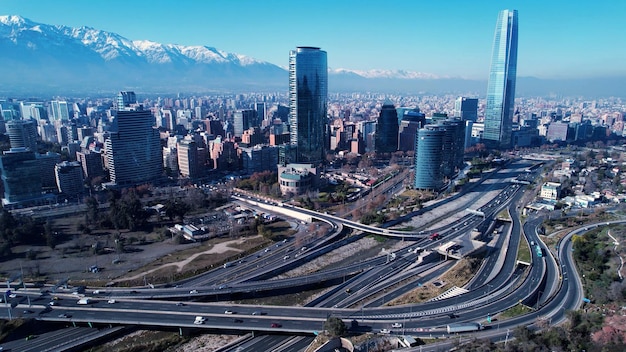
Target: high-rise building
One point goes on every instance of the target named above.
(466, 108)
(125, 99)
(91, 162)
(21, 176)
(59, 110)
(308, 103)
(386, 139)
(133, 148)
(243, 120)
(429, 157)
(501, 87)
(22, 133)
(438, 153)
(188, 163)
(69, 178)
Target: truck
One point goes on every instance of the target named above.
(463, 327)
(84, 301)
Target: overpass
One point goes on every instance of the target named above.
(308, 215)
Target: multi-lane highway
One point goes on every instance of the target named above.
(360, 291)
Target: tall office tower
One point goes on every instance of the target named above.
(46, 169)
(188, 163)
(308, 103)
(69, 178)
(59, 110)
(91, 162)
(243, 120)
(22, 133)
(453, 146)
(260, 111)
(20, 175)
(386, 140)
(501, 86)
(429, 157)
(133, 148)
(125, 99)
(466, 108)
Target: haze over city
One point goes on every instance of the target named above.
(560, 39)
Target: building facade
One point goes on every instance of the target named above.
(501, 87)
(429, 157)
(69, 178)
(308, 103)
(466, 108)
(134, 153)
(386, 138)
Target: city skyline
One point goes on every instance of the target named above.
(434, 38)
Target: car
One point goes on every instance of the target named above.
(238, 321)
(221, 287)
(258, 312)
(276, 325)
(53, 303)
(134, 292)
(385, 331)
(180, 304)
(111, 301)
(228, 311)
(28, 311)
(286, 257)
(55, 298)
(97, 292)
(396, 325)
(199, 320)
(64, 315)
(193, 291)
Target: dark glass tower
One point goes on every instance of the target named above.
(387, 129)
(501, 86)
(308, 102)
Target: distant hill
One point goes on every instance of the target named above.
(54, 59)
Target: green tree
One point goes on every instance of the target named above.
(335, 326)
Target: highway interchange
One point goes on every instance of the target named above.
(356, 292)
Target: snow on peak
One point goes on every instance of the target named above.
(377, 73)
(13, 20)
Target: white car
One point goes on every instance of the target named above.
(385, 331)
(396, 325)
(199, 320)
(229, 312)
(193, 291)
(111, 301)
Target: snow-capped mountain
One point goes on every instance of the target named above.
(399, 74)
(42, 58)
(61, 56)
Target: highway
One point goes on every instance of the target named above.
(361, 291)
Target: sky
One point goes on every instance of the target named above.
(447, 38)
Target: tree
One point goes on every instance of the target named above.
(335, 326)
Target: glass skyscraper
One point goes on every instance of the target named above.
(387, 129)
(501, 86)
(308, 102)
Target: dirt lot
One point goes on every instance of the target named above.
(149, 255)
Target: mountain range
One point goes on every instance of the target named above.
(42, 58)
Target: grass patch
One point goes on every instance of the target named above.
(523, 252)
(517, 310)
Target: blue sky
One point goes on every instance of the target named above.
(557, 39)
